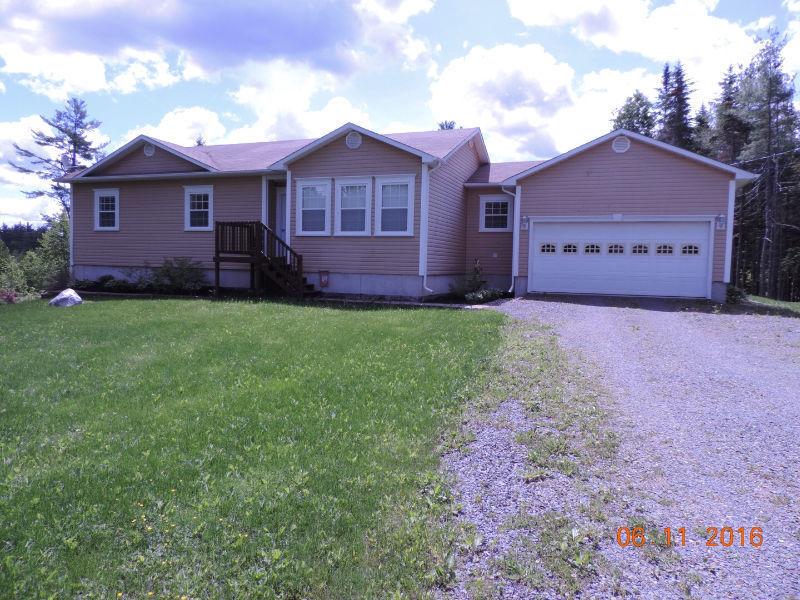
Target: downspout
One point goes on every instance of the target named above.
(515, 236)
(288, 206)
(72, 234)
(425, 188)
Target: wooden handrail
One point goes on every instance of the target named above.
(254, 239)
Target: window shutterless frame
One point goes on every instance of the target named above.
(388, 187)
(106, 209)
(198, 208)
(496, 206)
(313, 196)
(349, 191)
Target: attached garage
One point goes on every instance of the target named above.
(637, 258)
(625, 215)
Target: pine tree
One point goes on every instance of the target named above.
(444, 125)
(673, 108)
(765, 101)
(664, 102)
(636, 115)
(702, 132)
(730, 131)
(72, 128)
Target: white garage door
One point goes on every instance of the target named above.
(664, 258)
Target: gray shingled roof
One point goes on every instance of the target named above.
(499, 172)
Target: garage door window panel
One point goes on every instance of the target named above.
(616, 249)
(547, 248)
(569, 248)
(640, 249)
(665, 249)
(591, 249)
(690, 249)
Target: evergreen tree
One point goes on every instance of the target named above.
(765, 101)
(636, 115)
(730, 131)
(443, 125)
(70, 139)
(664, 102)
(702, 132)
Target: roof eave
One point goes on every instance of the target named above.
(283, 164)
(738, 174)
(180, 175)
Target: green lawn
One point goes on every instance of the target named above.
(226, 449)
(793, 306)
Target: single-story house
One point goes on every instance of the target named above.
(408, 214)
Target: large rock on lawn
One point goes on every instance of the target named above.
(68, 297)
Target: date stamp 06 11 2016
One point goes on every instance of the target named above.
(716, 537)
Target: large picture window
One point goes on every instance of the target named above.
(106, 210)
(495, 213)
(394, 205)
(353, 199)
(198, 208)
(313, 206)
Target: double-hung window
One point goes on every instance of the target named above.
(394, 205)
(313, 206)
(353, 199)
(106, 210)
(198, 209)
(495, 213)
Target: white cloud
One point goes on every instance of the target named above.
(282, 95)
(14, 206)
(2, 87)
(529, 112)
(684, 30)
(182, 126)
(386, 28)
(791, 53)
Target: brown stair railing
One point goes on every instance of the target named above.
(254, 242)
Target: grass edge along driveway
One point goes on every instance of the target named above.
(227, 449)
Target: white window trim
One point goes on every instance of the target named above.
(341, 181)
(198, 189)
(495, 198)
(388, 180)
(106, 192)
(300, 183)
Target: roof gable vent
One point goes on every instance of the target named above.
(620, 144)
(149, 149)
(353, 140)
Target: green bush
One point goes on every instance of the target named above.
(179, 275)
(484, 295)
(734, 295)
(12, 278)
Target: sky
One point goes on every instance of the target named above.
(537, 76)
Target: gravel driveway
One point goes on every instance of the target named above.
(707, 407)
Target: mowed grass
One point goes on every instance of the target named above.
(168, 448)
(792, 306)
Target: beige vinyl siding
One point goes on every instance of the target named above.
(447, 214)
(136, 163)
(357, 254)
(485, 245)
(642, 181)
(151, 221)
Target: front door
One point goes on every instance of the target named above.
(280, 212)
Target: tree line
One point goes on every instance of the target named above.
(751, 124)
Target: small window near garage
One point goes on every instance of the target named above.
(640, 249)
(665, 249)
(198, 208)
(106, 210)
(547, 248)
(569, 248)
(690, 249)
(616, 248)
(591, 249)
(495, 213)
